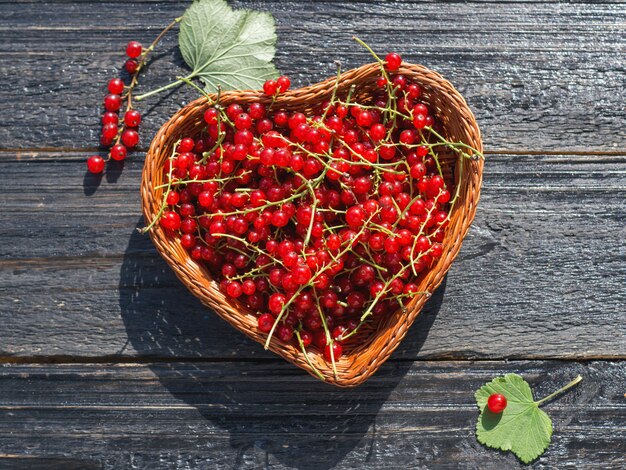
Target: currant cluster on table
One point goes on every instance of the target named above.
(318, 223)
(119, 136)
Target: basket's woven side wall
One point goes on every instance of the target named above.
(365, 357)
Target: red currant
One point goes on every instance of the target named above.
(116, 86)
(496, 403)
(132, 118)
(283, 83)
(131, 66)
(133, 49)
(118, 152)
(266, 322)
(112, 102)
(270, 87)
(95, 164)
(393, 61)
(170, 220)
(337, 351)
(130, 138)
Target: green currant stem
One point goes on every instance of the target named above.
(167, 192)
(311, 222)
(249, 245)
(329, 338)
(280, 316)
(144, 57)
(332, 98)
(371, 51)
(311, 282)
(452, 145)
(306, 356)
(576, 381)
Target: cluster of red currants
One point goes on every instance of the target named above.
(119, 136)
(320, 224)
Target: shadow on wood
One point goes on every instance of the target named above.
(291, 416)
(91, 183)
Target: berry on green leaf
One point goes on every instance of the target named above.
(496, 403)
(520, 426)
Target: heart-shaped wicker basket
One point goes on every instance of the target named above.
(371, 348)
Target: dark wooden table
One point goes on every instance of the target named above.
(108, 362)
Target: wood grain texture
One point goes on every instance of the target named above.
(268, 415)
(528, 283)
(539, 77)
(106, 361)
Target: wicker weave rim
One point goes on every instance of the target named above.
(361, 361)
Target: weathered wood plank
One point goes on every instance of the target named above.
(541, 274)
(268, 414)
(538, 78)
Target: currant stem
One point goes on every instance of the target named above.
(574, 382)
(144, 59)
(306, 356)
(371, 51)
(165, 194)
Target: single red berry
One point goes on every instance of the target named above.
(378, 132)
(276, 302)
(265, 322)
(306, 337)
(337, 351)
(95, 164)
(243, 121)
(283, 83)
(364, 118)
(130, 138)
(496, 403)
(355, 216)
(186, 145)
(131, 66)
(132, 118)
(270, 87)
(110, 117)
(170, 220)
(116, 86)
(284, 333)
(414, 91)
(133, 49)
(256, 111)
(118, 152)
(109, 131)
(393, 61)
(112, 102)
(234, 289)
(419, 121)
(210, 116)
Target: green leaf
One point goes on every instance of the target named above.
(226, 47)
(522, 427)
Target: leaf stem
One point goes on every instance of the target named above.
(196, 87)
(163, 88)
(576, 381)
